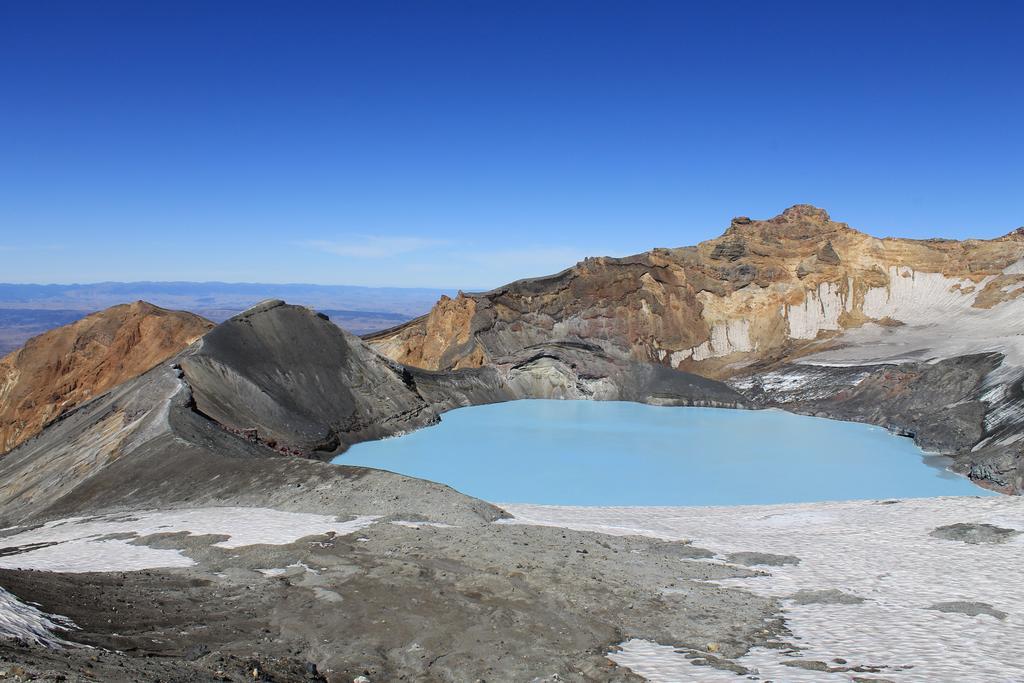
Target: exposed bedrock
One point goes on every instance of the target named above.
(765, 291)
(478, 601)
(303, 383)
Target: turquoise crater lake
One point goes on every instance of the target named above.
(611, 453)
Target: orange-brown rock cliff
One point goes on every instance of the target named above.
(62, 368)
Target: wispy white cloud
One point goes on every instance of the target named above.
(479, 268)
(373, 246)
(469, 263)
(531, 261)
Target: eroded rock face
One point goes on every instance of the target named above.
(763, 292)
(57, 371)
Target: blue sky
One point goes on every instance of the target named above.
(468, 144)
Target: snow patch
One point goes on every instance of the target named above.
(918, 298)
(25, 622)
(280, 571)
(85, 545)
(883, 553)
(417, 525)
(937, 324)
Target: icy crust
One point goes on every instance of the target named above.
(916, 298)
(110, 543)
(25, 622)
(935, 317)
(880, 551)
(800, 383)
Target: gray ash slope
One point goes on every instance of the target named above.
(306, 386)
(228, 421)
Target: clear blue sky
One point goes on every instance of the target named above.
(467, 144)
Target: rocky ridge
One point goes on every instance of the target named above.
(764, 292)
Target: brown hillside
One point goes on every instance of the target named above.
(62, 368)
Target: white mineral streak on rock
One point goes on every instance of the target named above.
(732, 322)
(84, 544)
(1015, 268)
(732, 336)
(820, 310)
(678, 357)
(18, 620)
(883, 553)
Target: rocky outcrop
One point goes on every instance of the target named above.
(792, 293)
(292, 380)
(764, 292)
(57, 371)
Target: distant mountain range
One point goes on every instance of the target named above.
(29, 310)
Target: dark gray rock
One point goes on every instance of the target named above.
(971, 609)
(974, 533)
(808, 664)
(751, 559)
(827, 254)
(830, 596)
(729, 251)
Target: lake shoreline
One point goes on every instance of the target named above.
(601, 453)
